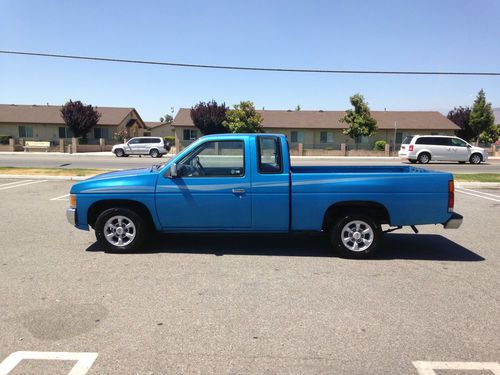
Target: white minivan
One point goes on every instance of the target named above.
(424, 148)
(153, 146)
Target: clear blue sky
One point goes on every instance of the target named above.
(455, 35)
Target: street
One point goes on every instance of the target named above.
(109, 161)
(242, 303)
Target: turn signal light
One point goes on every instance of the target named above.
(451, 195)
(72, 200)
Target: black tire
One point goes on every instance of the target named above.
(475, 159)
(424, 158)
(110, 217)
(154, 153)
(349, 247)
(413, 161)
(119, 153)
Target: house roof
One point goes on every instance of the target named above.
(330, 119)
(50, 114)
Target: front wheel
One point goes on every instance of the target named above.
(119, 152)
(475, 159)
(120, 230)
(355, 236)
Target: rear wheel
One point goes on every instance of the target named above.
(475, 159)
(154, 153)
(424, 158)
(355, 236)
(119, 152)
(120, 229)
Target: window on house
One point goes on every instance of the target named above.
(297, 137)
(25, 131)
(65, 132)
(364, 139)
(189, 135)
(326, 137)
(399, 137)
(101, 133)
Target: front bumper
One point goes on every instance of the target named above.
(71, 215)
(454, 221)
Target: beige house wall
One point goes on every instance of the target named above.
(312, 137)
(50, 132)
(162, 131)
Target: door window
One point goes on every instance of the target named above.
(134, 141)
(214, 159)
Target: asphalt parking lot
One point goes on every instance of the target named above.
(245, 304)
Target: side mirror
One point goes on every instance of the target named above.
(173, 170)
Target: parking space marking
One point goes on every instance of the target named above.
(24, 184)
(82, 366)
(60, 198)
(15, 182)
(481, 192)
(427, 368)
(477, 195)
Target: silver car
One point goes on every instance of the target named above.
(424, 148)
(153, 146)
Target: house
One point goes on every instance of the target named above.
(322, 129)
(44, 123)
(159, 129)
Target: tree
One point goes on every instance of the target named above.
(359, 120)
(482, 120)
(298, 108)
(167, 119)
(209, 117)
(461, 117)
(80, 118)
(244, 119)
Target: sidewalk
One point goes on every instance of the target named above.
(110, 154)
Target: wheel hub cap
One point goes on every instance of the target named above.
(119, 230)
(357, 235)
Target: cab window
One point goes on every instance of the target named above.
(269, 155)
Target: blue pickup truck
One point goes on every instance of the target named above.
(245, 183)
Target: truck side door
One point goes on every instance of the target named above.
(270, 184)
(212, 190)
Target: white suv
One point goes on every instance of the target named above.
(424, 148)
(153, 146)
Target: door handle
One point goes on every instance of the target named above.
(238, 191)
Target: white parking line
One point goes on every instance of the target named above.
(427, 368)
(481, 192)
(19, 185)
(60, 198)
(479, 196)
(15, 182)
(82, 366)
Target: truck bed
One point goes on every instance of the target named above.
(413, 196)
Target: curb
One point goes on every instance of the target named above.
(42, 177)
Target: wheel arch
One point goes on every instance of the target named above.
(373, 209)
(139, 208)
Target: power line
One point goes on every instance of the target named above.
(250, 68)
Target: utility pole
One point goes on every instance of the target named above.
(395, 129)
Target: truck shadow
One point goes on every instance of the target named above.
(394, 246)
